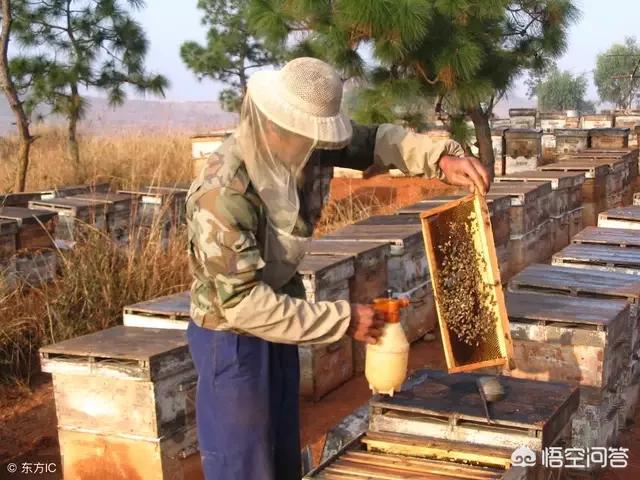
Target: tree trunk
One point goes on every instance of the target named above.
(73, 149)
(483, 137)
(9, 88)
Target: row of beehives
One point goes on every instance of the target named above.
(516, 150)
(33, 225)
(575, 322)
(531, 118)
(131, 388)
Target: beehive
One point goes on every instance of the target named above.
(522, 118)
(466, 284)
(596, 121)
(122, 395)
(598, 285)
(571, 140)
(594, 188)
(576, 223)
(21, 199)
(552, 121)
(36, 228)
(630, 121)
(8, 233)
(448, 407)
(502, 123)
(407, 264)
(609, 138)
(617, 177)
(323, 368)
(497, 141)
(72, 190)
(118, 210)
(523, 150)
(579, 341)
(605, 258)
(159, 205)
(170, 311)
(72, 211)
(625, 217)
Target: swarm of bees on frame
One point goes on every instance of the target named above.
(466, 301)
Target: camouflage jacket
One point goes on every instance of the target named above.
(226, 228)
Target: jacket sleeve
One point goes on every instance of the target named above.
(225, 246)
(392, 146)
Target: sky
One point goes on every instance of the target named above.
(169, 25)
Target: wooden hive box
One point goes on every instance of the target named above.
(445, 249)
(605, 258)
(577, 341)
(523, 150)
(532, 414)
(407, 264)
(617, 178)
(609, 137)
(8, 233)
(323, 368)
(497, 141)
(159, 205)
(552, 121)
(571, 140)
(624, 217)
(530, 204)
(36, 228)
(522, 118)
(119, 211)
(596, 121)
(594, 188)
(72, 190)
(124, 389)
(598, 285)
(21, 199)
(170, 311)
(369, 280)
(70, 211)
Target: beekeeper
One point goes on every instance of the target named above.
(250, 215)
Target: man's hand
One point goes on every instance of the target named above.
(366, 325)
(466, 172)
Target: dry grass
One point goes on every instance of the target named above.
(134, 158)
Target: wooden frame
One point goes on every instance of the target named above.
(484, 244)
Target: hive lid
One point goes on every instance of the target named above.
(619, 237)
(631, 213)
(390, 220)
(397, 234)
(591, 169)
(104, 197)
(124, 352)
(552, 115)
(600, 255)
(18, 199)
(177, 305)
(572, 132)
(522, 112)
(522, 193)
(523, 133)
(317, 264)
(496, 202)
(26, 216)
(575, 281)
(559, 180)
(527, 404)
(64, 202)
(614, 163)
(609, 132)
(348, 249)
(563, 309)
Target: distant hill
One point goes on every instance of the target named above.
(194, 117)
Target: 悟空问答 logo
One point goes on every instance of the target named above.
(523, 457)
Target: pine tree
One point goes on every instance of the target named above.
(71, 45)
(464, 53)
(231, 51)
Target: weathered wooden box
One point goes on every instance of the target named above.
(624, 217)
(549, 148)
(22, 199)
(530, 204)
(323, 368)
(523, 150)
(609, 138)
(551, 121)
(36, 228)
(522, 118)
(594, 188)
(35, 268)
(605, 258)
(575, 222)
(72, 211)
(596, 121)
(566, 187)
(498, 143)
(89, 454)
(444, 406)
(407, 264)
(159, 205)
(126, 389)
(72, 190)
(532, 247)
(617, 176)
(8, 233)
(118, 210)
(379, 456)
(170, 311)
(571, 140)
(458, 235)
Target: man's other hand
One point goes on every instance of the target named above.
(366, 325)
(466, 172)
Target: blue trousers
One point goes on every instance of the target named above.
(247, 410)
